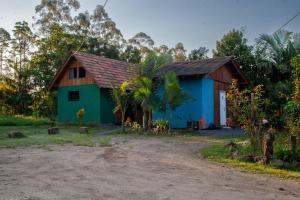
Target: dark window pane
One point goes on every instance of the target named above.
(72, 73)
(73, 95)
(81, 72)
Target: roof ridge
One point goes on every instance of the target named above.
(205, 59)
(100, 57)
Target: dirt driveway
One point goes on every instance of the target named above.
(137, 169)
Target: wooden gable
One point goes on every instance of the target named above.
(63, 79)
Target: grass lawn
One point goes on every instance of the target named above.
(37, 135)
(218, 152)
(19, 120)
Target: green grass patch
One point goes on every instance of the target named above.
(219, 152)
(39, 136)
(20, 120)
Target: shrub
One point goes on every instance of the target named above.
(161, 127)
(286, 155)
(20, 120)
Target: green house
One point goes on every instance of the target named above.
(85, 81)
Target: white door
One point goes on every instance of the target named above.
(222, 108)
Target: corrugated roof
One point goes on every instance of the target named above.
(197, 67)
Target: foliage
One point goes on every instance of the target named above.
(234, 100)
(247, 109)
(178, 52)
(235, 44)
(19, 120)
(161, 126)
(121, 96)
(4, 44)
(198, 54)
(173, 94)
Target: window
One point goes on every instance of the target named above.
(73, 95)
(81, 72)
(72, 73)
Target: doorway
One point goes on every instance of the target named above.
(222, 108)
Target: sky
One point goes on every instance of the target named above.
(195, 23)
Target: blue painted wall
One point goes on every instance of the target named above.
(202, 104)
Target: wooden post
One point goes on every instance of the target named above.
(293, 147)
(84, 130)
(268, 148)
(53, 130)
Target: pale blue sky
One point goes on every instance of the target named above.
(193, 22)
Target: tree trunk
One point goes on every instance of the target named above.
(171, 118)
(144, 120)
(150, 119)
(123, 121)
(294, 147)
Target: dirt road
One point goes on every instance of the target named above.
(137, 169)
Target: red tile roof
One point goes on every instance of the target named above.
(106, 72)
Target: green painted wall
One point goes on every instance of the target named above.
(89, 100)
(106, 107)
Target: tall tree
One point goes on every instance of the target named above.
(4, 44)
(235, 44)
(55, 12)
(82, 23)
(20, 77)
(104, 28)
(143, 42)
(145, 88)
(278, 48)
(131, 54)
(179, 52)
(198, 54)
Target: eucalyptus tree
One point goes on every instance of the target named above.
(162, 49)
(104, 28)
(4, 44)
(20, 76)
(143, 42)
(55, 12)
(179, 52)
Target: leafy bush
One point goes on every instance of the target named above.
(161, 127)
(20, 120)
(286, 155)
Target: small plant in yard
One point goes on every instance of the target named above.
(136, 127)
(80, 115)
(161, 127)
(121, 97)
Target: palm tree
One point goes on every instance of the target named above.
(122, 97)
(173, 94)
(281, 48)
(145, 91)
